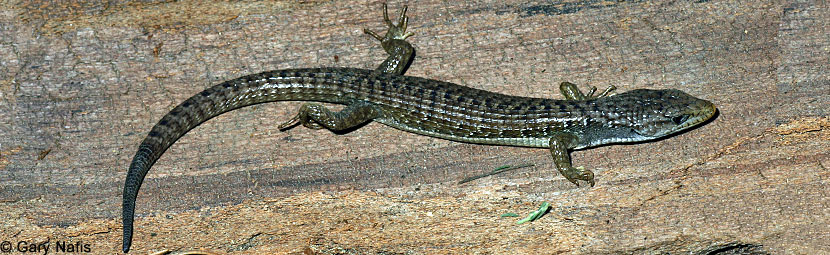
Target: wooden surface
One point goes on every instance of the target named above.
(82, 83)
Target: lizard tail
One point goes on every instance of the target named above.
(282, 85)
(171, 127)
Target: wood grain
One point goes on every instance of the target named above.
(81, 83)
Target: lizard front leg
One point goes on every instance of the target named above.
(559, 145)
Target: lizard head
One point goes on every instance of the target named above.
(658, 113)
(637, 115)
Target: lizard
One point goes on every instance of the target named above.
(429, 107)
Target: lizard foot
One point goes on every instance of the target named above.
(604, 93)
(395, 31)
(571, 92)
(305, 117)
(574, 174)
(298, 120)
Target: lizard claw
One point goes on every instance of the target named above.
(290, 123)
(575, 174)
(572, 92)
(604, 93)
(395, 31)
(308, 123)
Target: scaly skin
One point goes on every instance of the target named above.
(429, 107)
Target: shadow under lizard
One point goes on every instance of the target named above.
(429, 107)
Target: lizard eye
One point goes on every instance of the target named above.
(680, 119)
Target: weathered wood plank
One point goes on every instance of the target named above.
(82, 83)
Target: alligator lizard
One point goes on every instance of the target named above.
(429, 107)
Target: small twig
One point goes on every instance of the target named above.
(498, 170)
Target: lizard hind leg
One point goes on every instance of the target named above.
(317, 116)
(401, 53)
